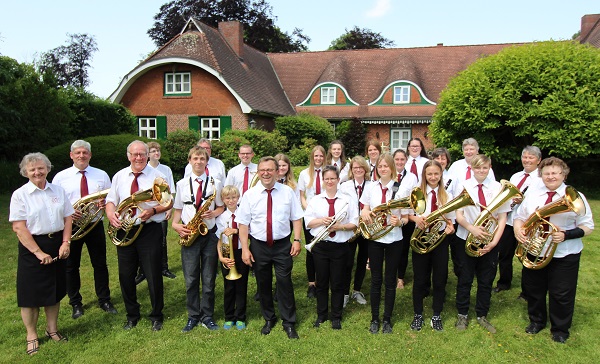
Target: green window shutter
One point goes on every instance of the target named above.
(161, 127)
(225, 123)
(194, 123)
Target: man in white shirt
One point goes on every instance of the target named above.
(214, 168)
(241, 175)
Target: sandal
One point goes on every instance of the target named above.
(56, 336)
(35, 346)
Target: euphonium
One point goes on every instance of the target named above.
(90, 213)
(226, 250)
(424, 241)
(324, 232)
(159, 192)
(197, 224)
(488, 221)
(538, 229)
(377, 229)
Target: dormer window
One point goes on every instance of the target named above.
(178, 83)
(328, 95)
(401, 94)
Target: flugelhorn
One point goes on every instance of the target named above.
(123, 236)
(488, 221)
(424, 241)
(538, 229)
(324, 232)
(90, 213)
(197, 224)
(227, 251)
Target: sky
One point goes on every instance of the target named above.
(120, 27)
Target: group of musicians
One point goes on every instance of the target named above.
(333, 201)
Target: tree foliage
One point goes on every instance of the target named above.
(304, 125)
(263, 143)
(360, 38)
(70, 63)
(256, 16)
(354, 135)
(545, 94)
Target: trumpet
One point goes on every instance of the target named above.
(90, 213)
(226, 250)
(324, 232)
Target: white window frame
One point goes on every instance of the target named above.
(328, 95)
(399, 138)
(177, 83)
(401, 94)
(210, 128)
(147, 127)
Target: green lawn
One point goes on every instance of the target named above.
(98, 337)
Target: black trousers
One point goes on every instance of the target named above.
(427, 268)
(484, 268)
(558, 280)
(310, 263)
(235, 292)
(506, 255)
(145, 250)
(407, 231)
(330, 262)
(378, 254)
(165, 258)
(361, 264)
(95, 241)
(278, 257)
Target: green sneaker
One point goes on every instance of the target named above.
(240, 325)
(228, 325)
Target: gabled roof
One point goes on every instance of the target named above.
(590, 30)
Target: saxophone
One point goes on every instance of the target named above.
(197, 224)
(90, 213)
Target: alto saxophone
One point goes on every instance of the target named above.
(197, 224)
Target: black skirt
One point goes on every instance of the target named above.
(41, 285)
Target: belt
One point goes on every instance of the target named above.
(278, 241)
(49, 235)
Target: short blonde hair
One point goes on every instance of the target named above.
(480, 159)
(230, 190)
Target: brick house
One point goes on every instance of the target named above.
(207, 79)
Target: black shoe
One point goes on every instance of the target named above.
(312, 291)
(522, 297)
(559, 338)
(318, 322)
(167, 273)
(190, 325)
(157, 325)
(130, 325)
(336, 324)
(256, 297)
(77, 311)
(386, 328)
(534, 328)
(139, 278)
(291, 332)
(266, 329)
(108, 307)
(374, 327)
(500, 289)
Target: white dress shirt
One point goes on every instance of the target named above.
(303, 181)
(450, 215)
(42, 210)
(216, 169)
(533, 182)
(235, 176)
(343, 172)
(350, 188)
(168, 173)
(372, 197)
(223, 221)
(419, 161)
(319, 207)
(186, 197)
(458, 173)
(70, 180)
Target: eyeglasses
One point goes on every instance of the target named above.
(138, 155)
(551, 174)
(266, 170)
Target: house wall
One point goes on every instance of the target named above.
(417, 131)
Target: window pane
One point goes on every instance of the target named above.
(152, 134)
(215, 123)
(143, 123)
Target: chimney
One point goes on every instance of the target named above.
(587, 24)
(233, 32)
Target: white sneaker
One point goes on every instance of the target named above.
(359, 297)
(346, 299)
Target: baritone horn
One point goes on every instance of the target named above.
(227, 251)
(488, 221)
(91, 213)
(538, 229)
(324, 232)
(424, 241)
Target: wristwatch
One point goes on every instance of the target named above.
(298, 240)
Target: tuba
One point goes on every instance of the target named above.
(90, 214)
(226, 250)
(424, 241)
(124, 236)
(538, 229)
(324, 232)
(488, 221)
(377, 229)
(197, 224)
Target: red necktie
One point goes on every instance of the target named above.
(206, 170)
(318, 188)
(331, 202)
(399, 177)
(245, 187)
(383, 199)
(481, 196)
(550, 196)
(269, 218)
(522, 180)
(199, 193)
(234, 241)
(359, 193)
(83, 188)
(468, 172)
(373, 172)
(413, 168)
(134, 188)
(434, 205)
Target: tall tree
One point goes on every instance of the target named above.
(260, 30)
(357, 38)
(71, 62)
(545, 94)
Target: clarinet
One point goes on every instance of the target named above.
(448, 184)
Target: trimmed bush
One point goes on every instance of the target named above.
(263, 143)
(178, 145)
(353, 134)
(297, 127)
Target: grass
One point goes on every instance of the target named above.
(98, 337)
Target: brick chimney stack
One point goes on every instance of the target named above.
(233, 32)
(587, 24)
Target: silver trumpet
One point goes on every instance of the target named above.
(324, 232)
